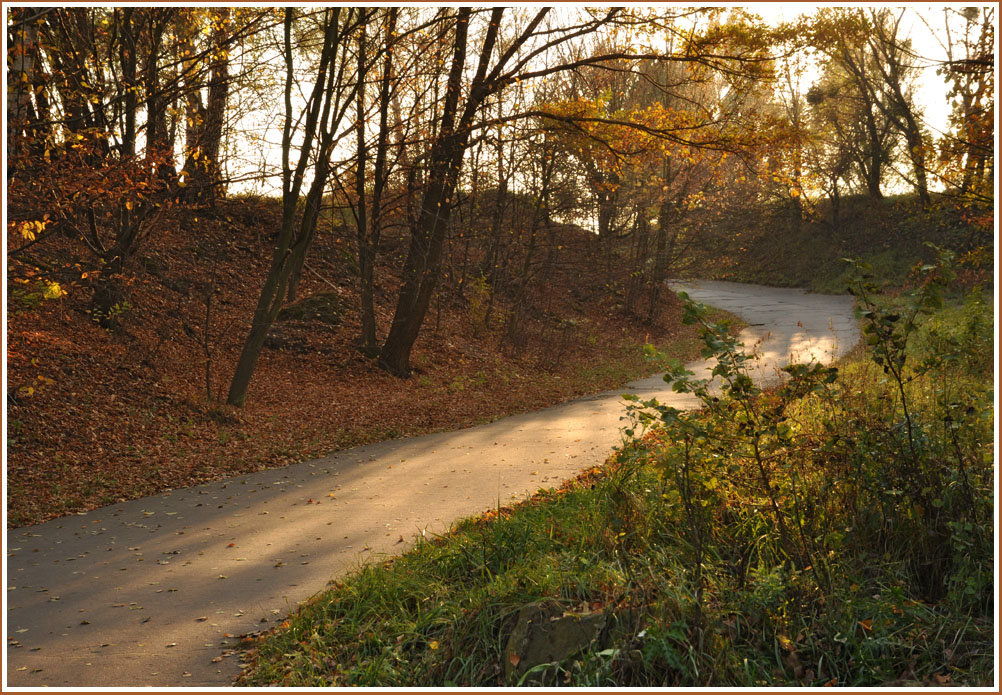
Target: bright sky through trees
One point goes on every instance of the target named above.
(923, 25)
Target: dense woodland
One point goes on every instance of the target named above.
(517, 182)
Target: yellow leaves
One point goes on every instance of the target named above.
(52, 290)
(433, 645)
(30, 229)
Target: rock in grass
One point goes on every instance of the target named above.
(544, 633)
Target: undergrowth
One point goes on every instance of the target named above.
(835, 530)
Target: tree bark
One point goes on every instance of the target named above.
(21, 52)
(129, 62)
(420, 273)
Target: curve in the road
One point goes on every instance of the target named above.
(148, 592)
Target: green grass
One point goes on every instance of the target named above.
(865, 560)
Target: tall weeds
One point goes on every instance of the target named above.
(837, 486)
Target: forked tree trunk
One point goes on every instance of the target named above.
(321, 122)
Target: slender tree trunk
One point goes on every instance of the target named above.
(43, 127)
(659, 269)
(215, 113)
(194, 109)
(420, 273)
(204, 121)
(876, 159)
(129, 61)
(157, 145)
(296, 276)
(836, 202)
(294, 240)
(641, 244)
(368, 225)
(916, 152)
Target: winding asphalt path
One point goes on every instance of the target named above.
(149, 592)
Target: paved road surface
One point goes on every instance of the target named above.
(146, 592)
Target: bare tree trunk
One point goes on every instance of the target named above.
(641, 244)
(368, 226)
(219, 87)
(420, 273)
(157, 145)
(659, 268)
(204, 131)
(129, 62)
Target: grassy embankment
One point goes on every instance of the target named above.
(777, 248)
(837, 531)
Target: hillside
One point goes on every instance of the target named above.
(776, 248)
(95, 416)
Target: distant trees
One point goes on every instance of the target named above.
(967, 153)
(864, 104)
(653, 141)
(846, 99)
(895, 69)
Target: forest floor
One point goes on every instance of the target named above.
(97, 417)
